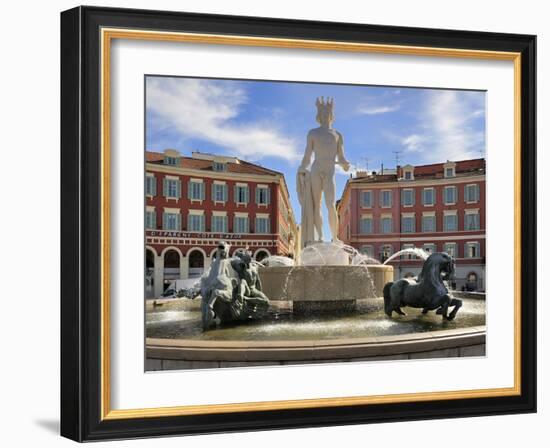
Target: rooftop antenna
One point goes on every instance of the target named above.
(396, 158)
(366, 160)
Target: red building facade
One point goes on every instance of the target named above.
(194, 202)
(439, 207)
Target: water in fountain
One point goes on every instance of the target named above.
(326, 254)
(277, 260)
(421, 253)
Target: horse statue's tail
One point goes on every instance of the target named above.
(387, 298)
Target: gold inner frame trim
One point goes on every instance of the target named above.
(107, 35)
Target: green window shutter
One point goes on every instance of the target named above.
(164, 221)
(236, 194)
(165, 187)
(154, 220)
(225, 192)
(213, 192)
(257, 195)
(246, 194)
(203, 191)
(154, 186)
(189, 190)
(268, 195)
(202, 223)
(178, 188)
(178, 221)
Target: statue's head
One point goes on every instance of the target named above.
(223, 250)
(245, 255)
(325, 111)
(443, 262)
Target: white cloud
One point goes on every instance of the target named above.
(209, 110)
(413, 143)
(377, 110)
(446, 130)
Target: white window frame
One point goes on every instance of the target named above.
(466, 188)
(371, 196)
(215, 185)
(259, 188)
(411, 216)
(150, 211)
(217, 214)
(472, 213)
(200, 214)
(390, 195)
(468, 245)
(265, 217)
(432, 189)
(150, 180)
(366, 218)
(241, 216)
(173, 212)
(403, 194)
(237, 189)
(382, 218)
(170, 181)
(448, 187)
(450, 213)
(190, 186)
(429, 215)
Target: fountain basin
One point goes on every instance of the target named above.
(443, 343)
(175, 340)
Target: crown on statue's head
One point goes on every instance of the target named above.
(325, 110)
(322, 104)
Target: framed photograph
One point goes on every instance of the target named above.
(273, 223)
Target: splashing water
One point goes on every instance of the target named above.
(277, 260)
(421, 253)
(332, 254)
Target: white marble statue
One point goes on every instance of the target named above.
(327, 144)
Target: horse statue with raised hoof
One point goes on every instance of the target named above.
(428, 292)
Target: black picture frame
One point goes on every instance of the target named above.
(81, 224)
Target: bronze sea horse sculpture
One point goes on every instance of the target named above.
(428, 293)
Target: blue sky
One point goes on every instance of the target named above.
(267, 122)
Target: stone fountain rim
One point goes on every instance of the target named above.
(310, 350)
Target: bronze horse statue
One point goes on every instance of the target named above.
(428, 293)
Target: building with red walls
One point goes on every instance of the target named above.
(438, 207)
(192, 203)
